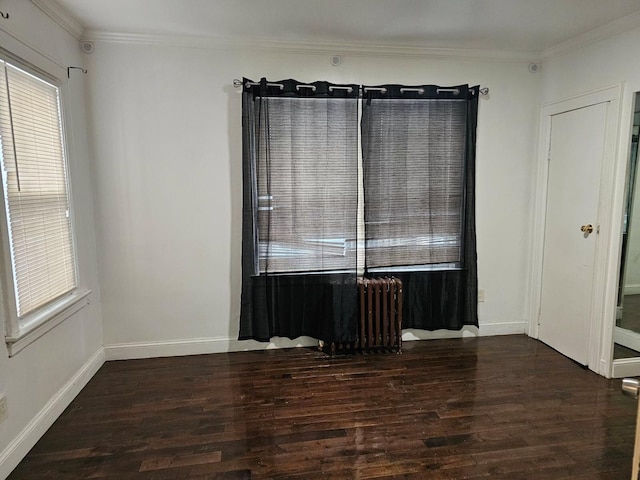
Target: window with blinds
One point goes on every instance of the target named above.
(36, 196)
(307, 184)
(414, 177)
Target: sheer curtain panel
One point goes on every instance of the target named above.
(300, 206)
(418, 149)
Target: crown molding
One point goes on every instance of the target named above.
(69, 23)
(616, 27)
(59, 15)
(209, 42)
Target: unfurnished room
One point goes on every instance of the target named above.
(283, 239)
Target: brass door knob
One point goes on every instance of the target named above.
(586, 228)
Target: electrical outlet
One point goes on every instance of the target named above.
(3, 408)
(480, 296)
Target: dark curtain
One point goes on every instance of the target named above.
(300, 204)
(418, 147)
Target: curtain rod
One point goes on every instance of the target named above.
(238, 83)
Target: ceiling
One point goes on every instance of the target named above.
(505, 25)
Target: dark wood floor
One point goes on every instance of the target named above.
(494, 407)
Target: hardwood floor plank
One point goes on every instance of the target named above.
(489, 407)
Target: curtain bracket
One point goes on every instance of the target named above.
(84, 70)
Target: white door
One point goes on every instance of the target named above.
(577, 143)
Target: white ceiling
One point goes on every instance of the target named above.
(506, 25)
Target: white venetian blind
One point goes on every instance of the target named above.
(307, 183)
(414, 182)
(35, 189)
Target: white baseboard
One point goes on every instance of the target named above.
(487, 330)
(632, 289)
(27, 438)
(200, 346)
(626, 367)
(197, 346)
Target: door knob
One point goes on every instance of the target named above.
(588, 228)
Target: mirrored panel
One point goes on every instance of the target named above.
(627, 329)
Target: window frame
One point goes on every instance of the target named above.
(22, 331)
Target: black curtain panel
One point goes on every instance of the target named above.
(312, 223)
(418, 150)
(300, 210)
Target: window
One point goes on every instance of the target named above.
(305, 224)
(414, 174)
(341, 181)
(36, 194)
(410, 214)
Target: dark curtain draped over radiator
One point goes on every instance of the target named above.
(301, 193)
(418, 148)
(300, 204)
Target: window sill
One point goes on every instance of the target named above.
(47, 319)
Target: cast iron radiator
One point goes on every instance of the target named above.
(379, 316)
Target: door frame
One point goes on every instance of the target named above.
(606, 265)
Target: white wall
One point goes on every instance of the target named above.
(167, 128)
(42, 379)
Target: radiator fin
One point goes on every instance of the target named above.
(379, 316)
